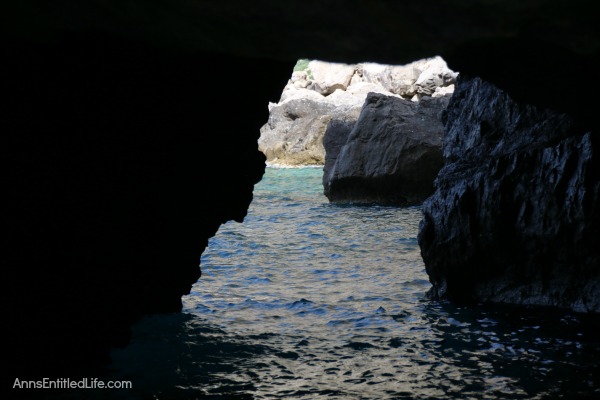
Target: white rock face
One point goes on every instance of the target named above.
(435, 75)
(312, 97)
(329, 77)
(443, 91)
(396, 79)
(419, 77)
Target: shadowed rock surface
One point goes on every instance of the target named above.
(391, 156)
(114, 188)
(130, 134)
(515, 215)
(334, 139)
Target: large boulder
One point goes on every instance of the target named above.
(515, 216)
(391, 156)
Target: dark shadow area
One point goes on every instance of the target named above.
(175, 356)
(121, 159)
(547, 353)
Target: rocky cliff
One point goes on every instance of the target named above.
(322, 91)
(391, 155)
(515, 216)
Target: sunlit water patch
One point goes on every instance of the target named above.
(309, 300)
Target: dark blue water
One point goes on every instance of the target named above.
(308, 300)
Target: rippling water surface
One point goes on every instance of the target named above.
(308, 300)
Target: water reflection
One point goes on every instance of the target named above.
(507, 352)
(440, 351)
(182, 356)
(308, 300)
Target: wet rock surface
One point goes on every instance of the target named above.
(515, 215)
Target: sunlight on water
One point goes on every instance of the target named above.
(308, 300)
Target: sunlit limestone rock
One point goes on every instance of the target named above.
(443, 91)
(390, 156)
(294, 132)
(323, 91)
(421, 77)
(515, 215)
(329, 77)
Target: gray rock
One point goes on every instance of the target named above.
(294, 132)
(514, 218)
(335, 138)
(338, 91)
(391, 156)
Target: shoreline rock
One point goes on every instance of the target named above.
(391, 155)
(325, 91)
(514, 218)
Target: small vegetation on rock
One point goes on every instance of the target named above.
(302, 65)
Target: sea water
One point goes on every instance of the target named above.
(311, 300)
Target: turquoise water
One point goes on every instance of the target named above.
(309, 300)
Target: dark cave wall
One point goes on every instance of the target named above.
(122, 160)
(520, 46)
(130, 128)
(514, 218)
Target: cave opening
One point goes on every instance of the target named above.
(128, 145)
(311, 299)
(299, 246)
